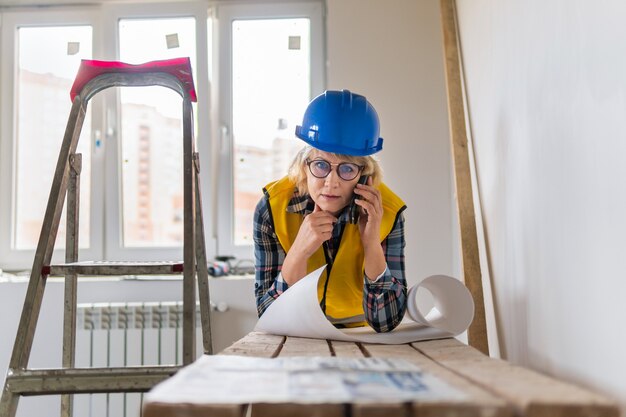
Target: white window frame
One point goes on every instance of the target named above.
(114, 248)
(11, 258)
(226, 14)
(105, 226)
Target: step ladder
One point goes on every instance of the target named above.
(92, 77)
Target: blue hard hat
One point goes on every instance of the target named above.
(341, 122)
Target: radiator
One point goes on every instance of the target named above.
(126, 334)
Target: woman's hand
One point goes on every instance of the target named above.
(316, 228)
(370, 219)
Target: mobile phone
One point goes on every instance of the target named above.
(354, 208)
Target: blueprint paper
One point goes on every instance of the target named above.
(226, 379)
(297, 313)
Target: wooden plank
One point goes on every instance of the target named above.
(299, 410)
(477, 332)
(476, 402)
(302, 346)
(299, 346)
(346, 349)
(399, 409)
(532, 394)
(255, 344)
(262, 345)
(155, 409)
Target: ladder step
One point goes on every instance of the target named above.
(114, 268)
(87, 380)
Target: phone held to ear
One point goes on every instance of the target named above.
(354, 208)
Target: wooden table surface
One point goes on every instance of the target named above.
(492, 387)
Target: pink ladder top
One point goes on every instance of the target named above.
(178, 67)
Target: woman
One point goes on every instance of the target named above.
(303, 220)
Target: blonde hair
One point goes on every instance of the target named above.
(298, 168)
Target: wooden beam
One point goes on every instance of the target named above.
(530, 393)
(477, 332)
(300, 346)
(262, 345)
(474, 402)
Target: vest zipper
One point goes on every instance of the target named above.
(329, 266)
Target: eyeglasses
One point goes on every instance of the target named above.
(320, 168)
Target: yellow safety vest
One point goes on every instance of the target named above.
(343, 289)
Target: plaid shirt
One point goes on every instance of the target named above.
(384, 300)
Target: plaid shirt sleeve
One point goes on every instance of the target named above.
(269, 257)
(384, 300)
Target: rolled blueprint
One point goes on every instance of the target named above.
(297, 313)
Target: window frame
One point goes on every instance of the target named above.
(105, 224)
(226, 14)
(113, 13)
(21, 259)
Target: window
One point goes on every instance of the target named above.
(269, 61)
(150, 142)
(47, 60)
(35, 106)
(275, 68)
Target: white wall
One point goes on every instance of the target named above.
(391, 52)
(547, 101)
